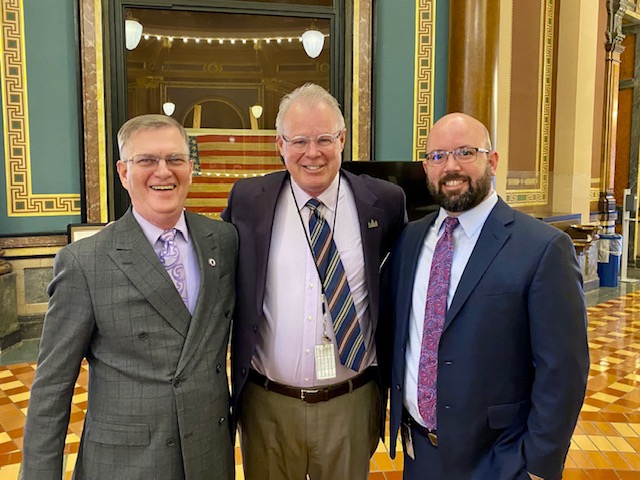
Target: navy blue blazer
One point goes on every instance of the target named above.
(513, 357)
(252, 207)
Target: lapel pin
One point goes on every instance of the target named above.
(372, 223)
(212, 262)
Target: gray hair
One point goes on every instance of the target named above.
(147, 122)
(309, 94)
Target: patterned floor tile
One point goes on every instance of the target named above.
(605, 445)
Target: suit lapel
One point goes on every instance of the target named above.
(138, 261)
(369, 216)
(207, 247)
(492, 238)
(264, 202)
(408, 253)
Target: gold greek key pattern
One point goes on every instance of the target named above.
(425, 70)
(21, 201)
(539, 195)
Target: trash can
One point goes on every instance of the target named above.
(609, 253)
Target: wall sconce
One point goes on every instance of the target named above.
(132, 32)
(168, 108)
(313, 41)
(256, 111)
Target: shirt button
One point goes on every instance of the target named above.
(307, 351)
(177, 383)
(143, 335)
(311, 285)
(306, 379)
(221, 421)
(309, 318)
(170, 442)
(218, 368)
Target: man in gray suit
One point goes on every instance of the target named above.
(148, 302)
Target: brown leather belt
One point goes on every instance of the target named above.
(318, 394)
(430, 434)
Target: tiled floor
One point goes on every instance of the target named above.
(605, 445)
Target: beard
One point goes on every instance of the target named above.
(462, 202)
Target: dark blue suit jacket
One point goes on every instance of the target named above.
(252, 207)
(513, 356)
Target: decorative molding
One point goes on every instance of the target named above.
(539, 195)
(362, 77)
(425, 48)
(21, 201)
(95, 149)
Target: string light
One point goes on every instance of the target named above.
(224, 40)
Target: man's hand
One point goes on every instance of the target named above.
(534, 477)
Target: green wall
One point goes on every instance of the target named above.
(394, 75)
(54, 97)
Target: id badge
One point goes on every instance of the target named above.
(325, 361)
(407, 440)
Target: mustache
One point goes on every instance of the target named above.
(453, 176)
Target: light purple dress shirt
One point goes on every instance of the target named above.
(187, 253)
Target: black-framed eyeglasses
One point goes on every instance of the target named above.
(461, 154)
(323, 142)
(175, 161)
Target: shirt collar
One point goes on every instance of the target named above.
(329, 197)
(152, 232)
(472, 220)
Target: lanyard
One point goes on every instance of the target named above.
(306, 235)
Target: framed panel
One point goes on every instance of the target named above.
(78, 231)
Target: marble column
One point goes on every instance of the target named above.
(473, 53)
(606, 201)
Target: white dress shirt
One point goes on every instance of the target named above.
(292, 306)
(465, 237)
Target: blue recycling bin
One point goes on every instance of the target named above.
(609, 253)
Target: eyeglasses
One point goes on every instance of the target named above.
(174, 162)
(461, 154)
(323, 142)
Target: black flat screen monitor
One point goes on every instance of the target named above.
(409, 176)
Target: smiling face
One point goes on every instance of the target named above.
(157, 193)
(315, 168)
(458, 187)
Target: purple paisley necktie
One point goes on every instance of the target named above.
(435, 311)
(170, 259)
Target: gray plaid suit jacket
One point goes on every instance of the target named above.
(158, 391)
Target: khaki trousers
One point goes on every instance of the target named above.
(284, 438)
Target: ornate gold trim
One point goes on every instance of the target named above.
(540, 194)
(423, 97)
(21, 201)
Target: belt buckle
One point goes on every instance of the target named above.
(433, 438)
(304, 392)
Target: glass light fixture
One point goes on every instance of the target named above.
(256, 111)
(313, 41)
(132, 32)
(168, 108)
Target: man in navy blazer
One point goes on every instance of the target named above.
(300, 412)
(512, 357)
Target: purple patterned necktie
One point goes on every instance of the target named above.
(435, 311)
(170, 259)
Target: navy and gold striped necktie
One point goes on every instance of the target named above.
(348, 333)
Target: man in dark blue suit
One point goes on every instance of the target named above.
(509, 353)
